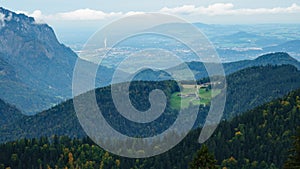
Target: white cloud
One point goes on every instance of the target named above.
(211, 10)
(37, 15)
(133, 13)
(86, 14)
(228, 9)
(9, 17)
(4, 18)
(80, 14)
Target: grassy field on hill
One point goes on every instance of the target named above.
(188, 96)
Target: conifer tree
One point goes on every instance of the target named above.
(203, 160)
(293, 161)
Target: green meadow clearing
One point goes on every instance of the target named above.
(188, 96)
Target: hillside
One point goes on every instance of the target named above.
(277, 58)
(261, 134)
(246, 89)
(62, 119)
(34, 63)
(8, 114)
(258, 139)
(35, 68)
(41, 66)
(251, 87)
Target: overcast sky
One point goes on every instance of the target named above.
(66, 14)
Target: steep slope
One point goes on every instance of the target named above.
(34, 48)
(16, 92)
(42, 66)
(6, 71)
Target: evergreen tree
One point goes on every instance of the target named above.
(293, 161)
(203, 160)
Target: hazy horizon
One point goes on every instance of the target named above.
(81, 18)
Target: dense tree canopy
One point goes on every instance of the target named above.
(293, 161)
(258, 139)
(203, 159)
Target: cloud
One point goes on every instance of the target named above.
(211, 10)
(86, 14)
(228, 9)
(78, 15)
(4, 18)
(37, 15)
(133, 13)
(9, 17)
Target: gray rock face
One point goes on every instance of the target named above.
(35, 69)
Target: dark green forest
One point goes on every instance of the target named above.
(257, 84)
(258, 139)
(259, 129)
(293, 160)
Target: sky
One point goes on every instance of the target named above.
(67, 16)
(193, 10)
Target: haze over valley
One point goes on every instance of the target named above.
(258, 126)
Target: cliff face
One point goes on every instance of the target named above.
(33, 63)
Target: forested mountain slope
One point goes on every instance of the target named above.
(246, 89)
(257, 139)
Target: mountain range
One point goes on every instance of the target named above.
(277, 58)
(247, 88)
(289, 46)
(260, 116)
(35, 68)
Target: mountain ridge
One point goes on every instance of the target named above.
(34, 63)
(42, 65)
(243, 86)
(276, 58)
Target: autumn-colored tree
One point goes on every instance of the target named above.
(71, 160)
